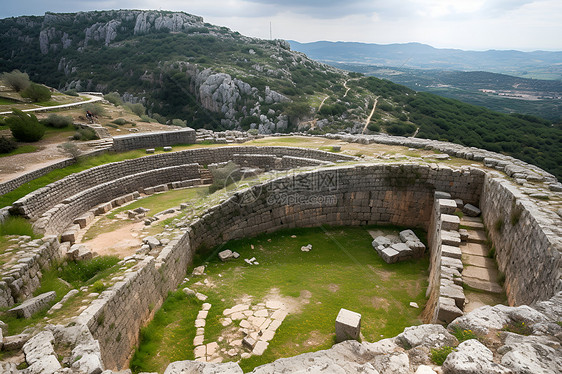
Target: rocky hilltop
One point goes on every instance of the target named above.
(179, 67)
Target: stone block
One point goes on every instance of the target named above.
(452, 263)
(442, 195)
(408, 235)
(102, 209)
(149, 190)
(389, 255)
(451, 238)
(348, 325)
(450, 222)
(167, 149)
(31, 306)
(447, 310)
(453, 291)
(84, 220)
(14, 342)
(150, 150)
(471, 211)
(381, 240)
(79, 252)
(225, 255)
(450, 251)
(161, 188)
(69, 235)
(447, 206)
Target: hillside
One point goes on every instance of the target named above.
(537, 64)
(500, 92)
(180, 67)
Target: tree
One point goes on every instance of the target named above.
(36, 92)
(16, 79)
(57, 121)
(25, 127)
(7, 145)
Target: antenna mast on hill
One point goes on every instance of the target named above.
(270, 33)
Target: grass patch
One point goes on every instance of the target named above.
(439, 355)
(358, 280)
(518, 328)
(163, 201)
(80, 272)
(17, 226)
(19, 150)
(459, 213)
(463, 334)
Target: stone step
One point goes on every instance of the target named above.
(479, 284)
(475, 249)
(470, 219)
(477, 272)
(472, 225)
(481, 261)
(477, 236)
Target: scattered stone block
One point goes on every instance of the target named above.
(471, 211)
(452, 263)
(381, 240)
(460, 203)
(167, 149)
(31, 306)
(225, 255)
(260, 348)
(150, 150)
(149, 190)
(79, 252)
(188, 291)
(389, 255)
(463, 234)
(200, 296)
(69, 235)
(84, 220)
(151, 241)
(448, 310)
(348, 325)
(306, 248)
(249, 342)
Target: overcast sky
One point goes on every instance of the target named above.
(465, 24)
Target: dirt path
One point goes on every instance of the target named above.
(313, 123)
(370, 115)
(92, 98)
(121, 242)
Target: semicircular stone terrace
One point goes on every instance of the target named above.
(399, 193)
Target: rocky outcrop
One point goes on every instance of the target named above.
(156, 21)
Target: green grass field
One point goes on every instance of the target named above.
(342, 270)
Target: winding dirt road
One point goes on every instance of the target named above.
(370, 115)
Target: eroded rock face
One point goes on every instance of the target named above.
(472, 357)
(431, 336)
(194, 367)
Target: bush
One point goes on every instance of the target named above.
(137, 108)
(439, 355)
(98, 287)
(85, 134)
(36, 92)
(253, 132)
(463, 334)
(17, 80)
(224, 176)
(113, 98)
(120, 121)
(25, 127)
(71, 93)
(70, 149)
(161, 119)
(373, 126)
(145, 118)
(95, 108)
(56, 121)
(179, 122)
(7, 145)
(82, 271)
(16, 226)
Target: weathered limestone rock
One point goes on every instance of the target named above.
(531, 354)
(31, 306)
(199, 270)
(39, 347)
(472, 357)
(79, 252)
(85, 219)
(14, 342)
(389, 255)
(381, 240)
(197, 367)
(431, 336)
(151, 241)
(348, 325)
(225, 255)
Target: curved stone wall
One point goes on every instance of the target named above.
(38, 202)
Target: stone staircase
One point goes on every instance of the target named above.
(99, 144)
(480, 272)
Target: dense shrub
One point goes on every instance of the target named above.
(95, 108)
(57, 121)
(16, 80)
(25, 127)
(7, 145)
(400, 128)
(120, 121)
(85, 134)
(36, 92)
(179, 122)
(71, 93)
(137, 108)
(373, 126)
(113, 98)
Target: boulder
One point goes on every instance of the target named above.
(225, 255)
(431, 336)
(151, 241)
(531, 354)
(197, 367)
(39, 347)
(199, 270)
(79, 252)
(14, 342)
(381, 240)
(472, 357)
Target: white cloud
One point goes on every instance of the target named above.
(465, 24)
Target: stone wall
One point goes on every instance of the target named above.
(12, 184)
(374, 194)
(38, 202)
(528, 244)
(55, 220)
(153, 139)
(22, 278)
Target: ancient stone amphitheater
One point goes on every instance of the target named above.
(520, 205)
